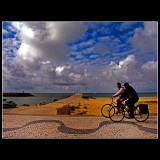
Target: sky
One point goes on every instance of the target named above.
(70, 56)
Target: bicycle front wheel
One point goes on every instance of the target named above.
(115, 115)
(140, 117)
(105, 110)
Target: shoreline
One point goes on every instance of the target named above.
(51, 97)
(82, 106)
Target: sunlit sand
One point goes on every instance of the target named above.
(84, 107)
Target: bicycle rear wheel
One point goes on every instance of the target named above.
(105, 110)
(140, 117)
(116, 116)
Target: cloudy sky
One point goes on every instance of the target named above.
(65, 56)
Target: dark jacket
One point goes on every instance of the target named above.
(132, 94)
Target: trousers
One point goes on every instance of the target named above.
(119, 102)
(130, 103)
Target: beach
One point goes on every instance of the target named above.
(83, 106)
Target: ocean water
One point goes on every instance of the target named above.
(49, 97)
(147, 94)
(38, 98)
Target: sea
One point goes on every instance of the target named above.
(49, 97)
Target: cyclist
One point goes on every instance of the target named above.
(121, 98)
(133, 98)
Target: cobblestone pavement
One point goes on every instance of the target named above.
(25, 126)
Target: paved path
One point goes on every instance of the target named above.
(25, 126)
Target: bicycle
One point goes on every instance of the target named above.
(118, 116)
(106, 108)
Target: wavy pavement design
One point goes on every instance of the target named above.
(64, 129)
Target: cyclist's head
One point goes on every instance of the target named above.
(118, 85)
(126, 85)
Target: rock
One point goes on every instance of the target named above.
(84, 96)
(42, 103)
(25, 105)
(77, 107)
(65, 110)
(54, 100)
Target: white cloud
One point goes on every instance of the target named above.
(150, 70)
(145, 40)
(128, 61)
(125, 70)
(126, 25)
(101, 48)
(150, 28)
(93, 56)
(150, 66)
(104, 38)
(41, 63)
(59, 70)
(46, 39)
(88, 43)
(4, 31)
(76, 76)
(24, 29)
(27, 52)
(45, 62)
(67, 77)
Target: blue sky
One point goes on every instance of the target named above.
(83, 56)
(111, 38)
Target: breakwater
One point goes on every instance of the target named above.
(17, 95)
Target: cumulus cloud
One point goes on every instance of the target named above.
(145, 40)
(150, 70)
(46, 39)
(87, 77)
(128, 70)
(36, 58)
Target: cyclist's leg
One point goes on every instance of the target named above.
(130, 105)
(118, 103)
(124, 98)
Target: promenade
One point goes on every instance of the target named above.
(42, 121)
(25, 126)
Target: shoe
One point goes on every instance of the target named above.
(131, 117)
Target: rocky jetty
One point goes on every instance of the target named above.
(17, 95)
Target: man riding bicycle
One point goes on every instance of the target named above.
(121, 98)
(133, 98)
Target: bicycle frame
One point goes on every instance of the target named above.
(113, 103)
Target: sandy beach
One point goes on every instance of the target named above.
(83, 107)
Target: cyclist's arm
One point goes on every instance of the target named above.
(119, 92)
